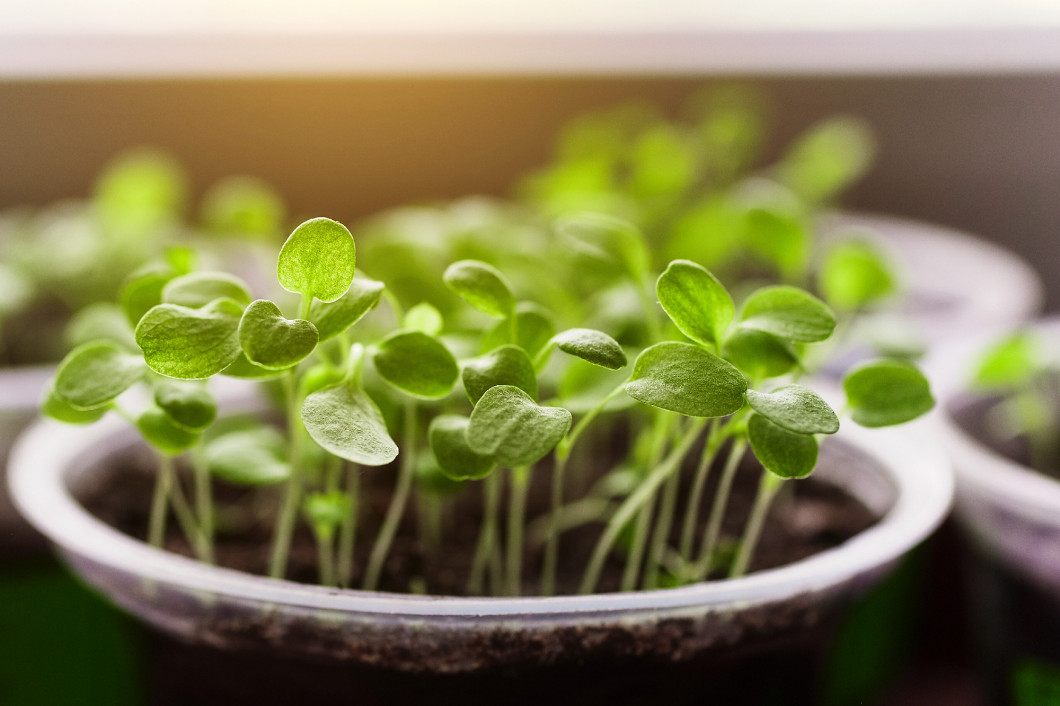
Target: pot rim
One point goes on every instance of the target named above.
(908, 458)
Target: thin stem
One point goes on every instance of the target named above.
(203, 501)
(640, 540)
(646, 295)
(281, 542)
(548, 571)
(487, 536)
(398, 502)
(663, 526)
(519, 481)
(717, 510)
(348, 529)
(699, 484)
(634, 502)
(326, 558)
(768, 486)
(186, 518)
(156, 533)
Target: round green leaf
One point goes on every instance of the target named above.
(94, 374)
(326, 511)
(789, 313)
(761, 355)
(272, 341)
(481, 286)
(332, 318)
(248, 457)
(59, 409)
(425, 318)
(509, 426)
(506, 365)
(830, 156)
(101, 321)
(853, 274)
(159, 430)
(346, 422)
(883, 393)
(607, 239)
(684, 378)
(243, 206)
(197, 289)
(140, 191)
(593, 346)
(190, 344)
(695, 301)
(318, 260)
(781, 452)
(534, 330)
(142, 291)
(417, 364)
(448, 438)
(188, 404)
(1011, 362)
(796, 408)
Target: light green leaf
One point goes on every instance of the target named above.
(243, 206)
(593, 346)
(245, 370)
(883, 393)
(686, 379)
(142, 291)
(248, 457)
(789, 313)
(607, 239)
(318, 260)
(140, 191)
(346, 422)
(779, 236)
(425, 318)
(431, 481)
(505, 365)
(534, 330)
(796, 408)
(332, 318)
(159, 430)
(188, 404)
(197, 289)
(272, 341)
(94, 374)
(783, 453)
(855, 273)
(326, 511)
(760, 355)
(830, 156)
(417, 364)
(1012, 362)
(695, 301)
(482, 286)
(509, 426)
(59, 409)
(101, 321)
(448, 438)
(188, 343)
(320, 376)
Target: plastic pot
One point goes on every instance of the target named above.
(391, 646)
(21, 390)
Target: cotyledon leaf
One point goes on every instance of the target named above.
(94, 374)
(345, 421)
(686, 379)
(272, 341)
(509, 426)
(332, 318)
(505, 365)
(448, 438)
(189, 343)
(318, 260)
(796, 408)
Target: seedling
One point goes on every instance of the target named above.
(475, 400)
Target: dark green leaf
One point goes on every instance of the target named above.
(695, 301)
(796, 408)
(509, 426)
(789, 313)
(345, 421)
(781, 452)
(534, 330)
(761, 355)
(200, 288)
(686, 379)
(448, 438)
(272, 341)
(188, 343)
(248, 457)
(188, 404)
(417, 364)
(506, 365)
(159, 430)
(318, 260)
(333, 318)
(481, 286)
(593, 346)
(94, 374)
(883, 393)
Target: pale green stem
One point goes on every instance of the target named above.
(326, 558)
(203, 500)
(695, 495)
(348, 530)
(281, 543)
(156, 533)
(768, 486)
(640, 540)
(398, 502)
(487, 536)
(186, 518)
(634, 502)
(717, 510)
(519, 481)
(663, 526)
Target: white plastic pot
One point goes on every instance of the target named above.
(21, 390)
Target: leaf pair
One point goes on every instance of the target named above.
(781, 431)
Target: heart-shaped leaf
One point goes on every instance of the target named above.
(248, 457)
(883, 393)
(159, 430)
(200, 288)
(190, 344)
(318, 260)
(417, 364)
(59, 409)
(684, 378)
(481, 286)
(505, 365)
(781, 452)
(534, 330)
(332, 318)
(593, 346)
(855, 273)
(759, 354)
(448, 438)
(509, 426)
(94, 374)
(272, 341)
(425, 318)
(796, 408)
(346, 422)
(142, 291)
(788, 313)
(188, 404)
(695, 301)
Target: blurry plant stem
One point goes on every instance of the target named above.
(398, 501)
(156, 533)
(768, 485)
(717, 510)
(281, 543)
(348, 529)
(640, 540)
(186, 518)
(699, 484)
(326, 557)
(203, 500)
(484, 550)
(663, 526)
(518, 483)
